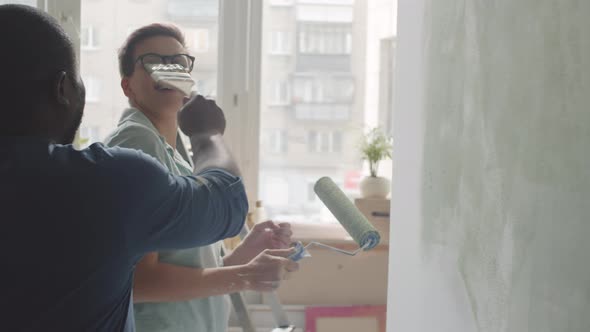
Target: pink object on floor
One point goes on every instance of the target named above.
(313, 314)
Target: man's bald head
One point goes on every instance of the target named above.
(37, 71)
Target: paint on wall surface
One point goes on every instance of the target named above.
(505, 181)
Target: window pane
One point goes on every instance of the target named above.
(312, 141)
(323, 86)
(280, 42)
(324, 142)
(337, 141)
(106, 24)
(92, 85)
(85, 37)
(197, 40)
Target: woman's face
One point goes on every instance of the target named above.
(142, 90)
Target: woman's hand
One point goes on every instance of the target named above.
(264, 235)
(265, 272)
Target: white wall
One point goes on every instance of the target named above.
(491, 194)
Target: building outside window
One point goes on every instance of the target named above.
(197, 40)
(279, 93)
(324, 142)
(280, 43)
(89, 38)
(92, 85)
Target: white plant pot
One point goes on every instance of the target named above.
(375, 187)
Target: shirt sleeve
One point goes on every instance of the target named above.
(167, 212)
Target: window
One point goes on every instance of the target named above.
(279, 93)
(324, 90)
(107, 23)
(279, 43)
(324, 142)
(326, 11)
(318, 112)
(325, 38)
(305, 90)
(194, 10)
(89, 135)
(336, 141)
(326, 53)
(198, 40)
(342, 90)
(276, 140)
(309, 90)
(281, 2)
(331, 46)
(129, 30)
(348, 43)
(92, 85)
(32, 3)
(89, 39)
(277, 191)
(312, 197)
(312, 141)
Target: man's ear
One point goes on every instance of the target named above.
(126, 86)
(59, 87)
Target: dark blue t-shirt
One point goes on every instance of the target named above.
(74, 223)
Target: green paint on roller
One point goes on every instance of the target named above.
(347, 214)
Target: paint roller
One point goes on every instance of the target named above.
(353, 221)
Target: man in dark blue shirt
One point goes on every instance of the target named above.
(74, 223)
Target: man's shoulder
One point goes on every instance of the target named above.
(115, 160)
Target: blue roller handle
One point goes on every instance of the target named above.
(299, 253)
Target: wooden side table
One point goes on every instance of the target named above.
(377, 212)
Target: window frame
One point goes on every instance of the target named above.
(239, 74)
(240, 53)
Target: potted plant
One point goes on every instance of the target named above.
(375, 147)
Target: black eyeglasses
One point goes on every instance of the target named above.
(184, 60)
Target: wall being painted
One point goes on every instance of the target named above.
(491, 195)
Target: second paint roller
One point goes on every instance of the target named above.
(355, 223)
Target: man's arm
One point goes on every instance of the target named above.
(159, 211)
(184, 211)
(203, 121)
(156, 281)
(210, 151)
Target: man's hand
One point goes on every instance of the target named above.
(201, 116)
(265, 235)
(265, 272)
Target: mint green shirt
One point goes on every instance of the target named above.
(210, 314)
